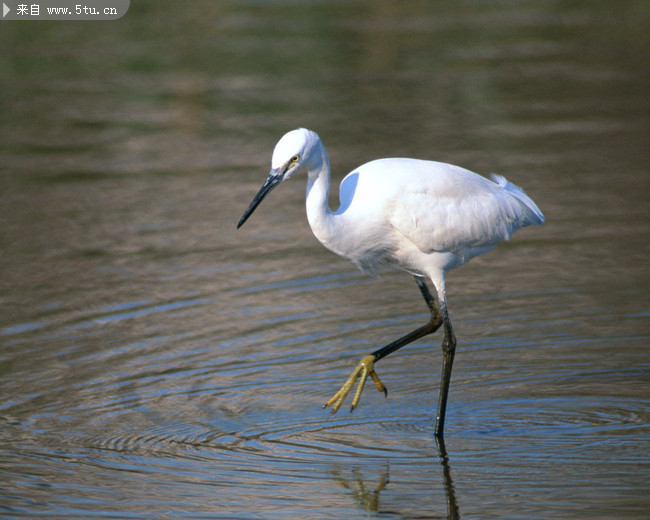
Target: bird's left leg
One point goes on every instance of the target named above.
(366, 368)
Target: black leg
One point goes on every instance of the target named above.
(432, 326)
(365, 367)
(448, 351)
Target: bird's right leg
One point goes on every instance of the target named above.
(366, 368)
(448, 351)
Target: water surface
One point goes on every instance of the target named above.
(155, 362)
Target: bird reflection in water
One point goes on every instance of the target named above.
(369, 500)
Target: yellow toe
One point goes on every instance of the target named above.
(364, 369)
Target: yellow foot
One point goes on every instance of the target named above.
(364, 369)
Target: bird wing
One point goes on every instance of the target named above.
(444, 208)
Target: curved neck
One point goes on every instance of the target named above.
(318, 186)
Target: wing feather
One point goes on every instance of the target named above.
(457, 210)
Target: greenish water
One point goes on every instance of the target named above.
(157, 363)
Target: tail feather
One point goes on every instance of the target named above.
(533, 215)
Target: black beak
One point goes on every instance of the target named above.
(271, 182)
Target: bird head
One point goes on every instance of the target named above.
(292, 151)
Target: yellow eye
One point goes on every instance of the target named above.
(295, 159)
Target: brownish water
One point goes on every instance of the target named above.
(155, 362)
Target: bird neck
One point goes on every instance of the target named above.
(318, 186)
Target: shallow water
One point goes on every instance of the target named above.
(155, 362)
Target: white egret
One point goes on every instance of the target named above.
(423, 217)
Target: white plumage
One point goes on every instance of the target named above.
(424, 217)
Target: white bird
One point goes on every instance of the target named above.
(423, 217)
